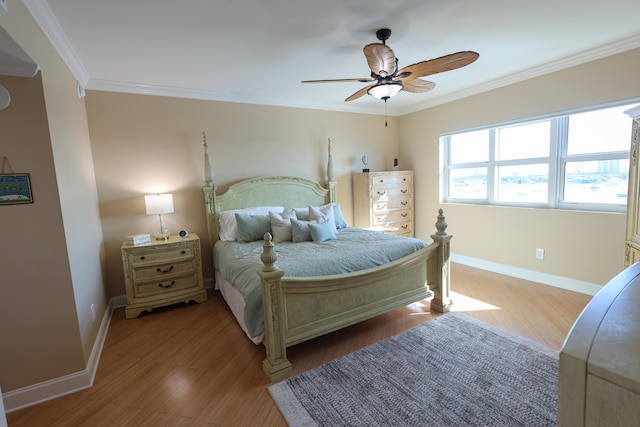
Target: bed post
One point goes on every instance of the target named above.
(330, 180)
(438, 270)
(275, 365)
(209, 190)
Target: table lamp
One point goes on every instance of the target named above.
(158, 204)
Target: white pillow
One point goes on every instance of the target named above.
(323, 214)
(227, 227)
(281, 225)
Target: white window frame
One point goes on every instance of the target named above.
(557, 160)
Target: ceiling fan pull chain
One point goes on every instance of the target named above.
(385, 113)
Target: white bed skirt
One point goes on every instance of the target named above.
(235, 301)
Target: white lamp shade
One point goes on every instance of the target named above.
(158, 203)
(385, 90)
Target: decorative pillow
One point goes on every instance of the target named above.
(322, 231)
(323, 214)
(228, 229)
(302, 213)
(281, 225)
(251, 227)
(337, 214)
(300, 230)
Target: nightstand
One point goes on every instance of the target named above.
(162, 272)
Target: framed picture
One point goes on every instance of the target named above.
(15, 188)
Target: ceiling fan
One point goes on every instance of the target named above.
(388, 80)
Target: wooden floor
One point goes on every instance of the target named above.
(192, 366)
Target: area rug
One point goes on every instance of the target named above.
(451, 371)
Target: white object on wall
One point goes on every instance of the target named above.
(5, 98)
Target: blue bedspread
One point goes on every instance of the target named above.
(353, 250)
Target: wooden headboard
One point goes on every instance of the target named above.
(287, 191)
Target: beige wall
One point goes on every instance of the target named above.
(585, 246)
(35, 271)
(143, 144)
(51, 250)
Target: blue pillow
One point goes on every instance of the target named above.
(252, 227)
(337, 214)
(322, 231)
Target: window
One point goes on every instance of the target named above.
(573, 161)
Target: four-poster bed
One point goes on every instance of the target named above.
(299, 308)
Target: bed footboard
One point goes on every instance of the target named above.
(297, 309)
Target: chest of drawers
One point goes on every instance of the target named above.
(161, 273)
(383, 201)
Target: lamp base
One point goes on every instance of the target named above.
(162, 236)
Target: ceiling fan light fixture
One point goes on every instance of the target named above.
(385, 90)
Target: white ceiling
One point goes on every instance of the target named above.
(258, 51)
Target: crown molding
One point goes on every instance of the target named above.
(47, 21)
(211, 95)
(602, 51)
(45, 18)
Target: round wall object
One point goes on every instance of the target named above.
(183, 233)
(5, 98)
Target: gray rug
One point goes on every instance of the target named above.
(450, 371)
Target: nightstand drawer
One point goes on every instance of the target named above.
(160, 271)
(159, 255)
(164, 286)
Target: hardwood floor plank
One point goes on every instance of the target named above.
(192, 364)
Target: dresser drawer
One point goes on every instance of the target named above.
(390, 193)
(398, 227)
(160, 271)
(391, 204)
(403, 215)
(395, 180)
(164, 286)
(154, 255)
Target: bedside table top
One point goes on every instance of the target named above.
(171, 240)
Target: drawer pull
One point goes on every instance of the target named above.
(404, 203)
(381, 193)
(404, 227)
(141, 258)
(163, 286)
(404, 191)
(183, 252)
(404, 215)
(159, 270)
(380, 207)
(381, 219)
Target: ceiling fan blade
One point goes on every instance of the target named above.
(380, 58)
(360, 93)
(439, 65)
(417, 86)
(362, 80)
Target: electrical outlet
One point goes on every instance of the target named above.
(93, 312)
(539, 253)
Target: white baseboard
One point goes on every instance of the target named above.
(57, 387)
(531, 275)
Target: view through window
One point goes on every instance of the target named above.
(575, 161)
